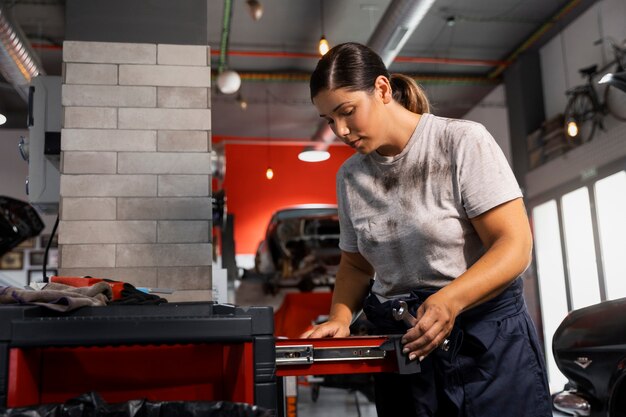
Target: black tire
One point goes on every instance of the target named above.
(580, 108)
(615, 101)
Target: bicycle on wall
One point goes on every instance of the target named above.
(585, 111)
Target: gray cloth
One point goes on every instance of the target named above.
(409, 215)
(59, 297)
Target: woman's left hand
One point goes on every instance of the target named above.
(435, 318)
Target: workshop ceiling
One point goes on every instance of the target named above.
(454, 52)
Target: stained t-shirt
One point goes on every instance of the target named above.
(409, 215)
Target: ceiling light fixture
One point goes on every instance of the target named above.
(269, 172)
(313, 155)
(256, 9)
(316, 152)
(242, 102)
(228, 82)
(323, 45)
(3, 119)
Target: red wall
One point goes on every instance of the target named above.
(252, 198)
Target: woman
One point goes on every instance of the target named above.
(430, 207)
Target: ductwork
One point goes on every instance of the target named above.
(18, 62)
(396, 26)
(394, 29)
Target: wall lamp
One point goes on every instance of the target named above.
(617, 80)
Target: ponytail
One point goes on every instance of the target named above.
(408, 93)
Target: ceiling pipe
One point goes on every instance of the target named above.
(411, 59)
(18, 62)
(394, 28)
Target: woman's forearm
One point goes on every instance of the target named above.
(351, 287)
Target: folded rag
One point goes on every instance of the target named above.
(58, 297)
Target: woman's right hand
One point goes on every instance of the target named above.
(332, 328)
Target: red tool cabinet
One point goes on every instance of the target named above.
(169, 352)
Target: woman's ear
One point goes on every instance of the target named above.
(382, 87)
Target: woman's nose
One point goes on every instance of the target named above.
(342, 130)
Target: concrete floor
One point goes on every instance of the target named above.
(333, 402)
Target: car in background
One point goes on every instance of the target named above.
(590, 349)
(300, 247)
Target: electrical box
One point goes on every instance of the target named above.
(44, 143)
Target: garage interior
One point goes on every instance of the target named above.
(163, 139)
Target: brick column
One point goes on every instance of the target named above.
(135, 165)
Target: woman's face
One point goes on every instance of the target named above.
(356, 117)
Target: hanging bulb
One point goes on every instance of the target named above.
(269, 174)
(323, 46)
(228, 82)
(256, 9)
(572, 128)
(242, 102)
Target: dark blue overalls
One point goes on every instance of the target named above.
(494, 368)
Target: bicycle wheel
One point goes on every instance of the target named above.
(581, 110)
(615, 101)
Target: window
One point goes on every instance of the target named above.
(552, 288)
(580, 249)
(579, 253)
(610, 205)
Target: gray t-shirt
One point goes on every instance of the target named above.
(409, 215)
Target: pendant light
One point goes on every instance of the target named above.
(311, 154)
(256, 9)
(323, 45)
(242, 102)
(269, 172)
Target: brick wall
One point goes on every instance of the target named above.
(135, 166)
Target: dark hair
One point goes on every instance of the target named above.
(355, 67)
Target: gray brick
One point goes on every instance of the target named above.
(165, 75)
(92, 256)
(88, 208)
(72, 232)
(90, 117)
(194, 55)
(183, 97)
(183, 141)
(183, 185)
(89, 163)
(139, 277)
(183, 231)
(164, 208)
(192, 254)
(170, 119)
(108, 96)
(118, 53)
(108, 140)
(185, 278)
(90, 74)
(108, 185)
(164, 163)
